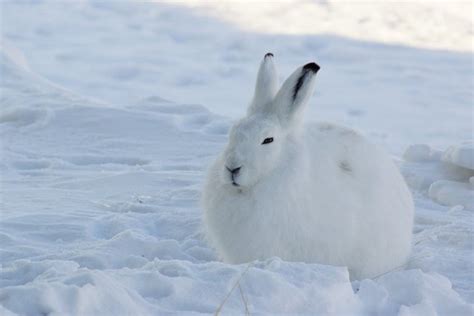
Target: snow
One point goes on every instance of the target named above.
(452, 193)
(446, 176)
(461, 155)
(188, 57)
(105, 145)
(377, 21)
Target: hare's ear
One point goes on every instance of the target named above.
(295, 93)
(266, 86)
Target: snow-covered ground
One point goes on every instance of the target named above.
(101, 174)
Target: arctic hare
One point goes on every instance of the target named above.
(312, 193)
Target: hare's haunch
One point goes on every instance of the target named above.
(313, 193)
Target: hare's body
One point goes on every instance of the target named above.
(329, 197)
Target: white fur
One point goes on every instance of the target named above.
(318, 193)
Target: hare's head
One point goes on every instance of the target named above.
(258, 142)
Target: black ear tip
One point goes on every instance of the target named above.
(268, 55)
(311, 67)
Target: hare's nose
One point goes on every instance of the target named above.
(234, 171)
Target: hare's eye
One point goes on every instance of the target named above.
(267, 140)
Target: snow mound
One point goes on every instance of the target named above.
(162, 286)
(419, 153)
(24, 116)
(421, 294)
(444, 225)
(461, 155)
(453, 193)
(444, 175)
(179, 286)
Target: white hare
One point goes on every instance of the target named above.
(315, 193)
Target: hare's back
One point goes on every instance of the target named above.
(339, 144)
(346, 155)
